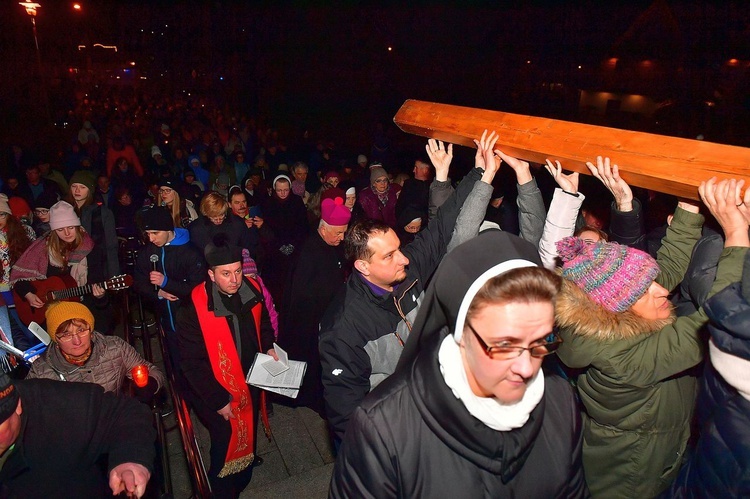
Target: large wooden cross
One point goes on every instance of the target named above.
(664, 164)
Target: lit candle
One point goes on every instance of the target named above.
(140, 375)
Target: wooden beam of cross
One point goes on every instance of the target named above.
(664, 164)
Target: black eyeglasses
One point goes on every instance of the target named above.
(507, 353)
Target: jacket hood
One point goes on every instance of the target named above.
(458, 279)
(181, 237)
(574, 310)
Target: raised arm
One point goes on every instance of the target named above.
(531, 213)
(473, 210)
(563, 212)
(679, 345)
(626, 224)
(440, 188)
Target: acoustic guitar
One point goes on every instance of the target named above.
(63, 288)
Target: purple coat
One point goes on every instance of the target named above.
(376, 210)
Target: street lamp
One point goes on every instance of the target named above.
(31, 10)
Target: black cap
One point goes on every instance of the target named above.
(157, 218)
(221, 252)
(170, 182)
(8, 397)
(46, 200)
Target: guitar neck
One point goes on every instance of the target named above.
(65, 294)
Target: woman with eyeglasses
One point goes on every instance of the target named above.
(470, 411)
(80, 353)
(379, 200)
(182, 210)
(618, 325)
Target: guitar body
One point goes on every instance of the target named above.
(62, 288)
(44, 289)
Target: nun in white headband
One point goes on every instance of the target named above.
(469, 412)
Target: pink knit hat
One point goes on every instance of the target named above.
(333, 212)
(612, 275)
(249, 267)
(62, 215)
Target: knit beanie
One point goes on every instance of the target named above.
(157, 218)
(376, 173)
(155, 150)
(46, 200)
(62, 215)
(249, 267)
(4, 206)
(83, 177)
(361, 159)
(333, 212)
(19, 207)
(8, 397)
(351, 191)
(61, 311)
(612, 275)
(332, 174)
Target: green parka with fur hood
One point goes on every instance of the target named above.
(638, 401)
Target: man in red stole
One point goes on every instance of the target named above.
(219, 336)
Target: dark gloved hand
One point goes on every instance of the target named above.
(146, 394)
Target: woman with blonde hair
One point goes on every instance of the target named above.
(63, 252)
(216, 217)
(182, 210)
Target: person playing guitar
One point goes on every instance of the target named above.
(62, 252)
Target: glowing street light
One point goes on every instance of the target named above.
(31, 10)
(77, 6)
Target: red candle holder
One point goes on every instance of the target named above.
(140, 375)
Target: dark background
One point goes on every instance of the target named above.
(327, 65)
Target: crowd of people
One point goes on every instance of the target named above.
(427, 310)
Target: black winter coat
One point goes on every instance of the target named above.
(67, 430)
(181, 263)
(361, 334)
(413, 438)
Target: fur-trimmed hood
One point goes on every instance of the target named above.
(575, 311)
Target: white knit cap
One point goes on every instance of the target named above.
(351, 191)
(62, 215)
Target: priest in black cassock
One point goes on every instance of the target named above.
(315, 278)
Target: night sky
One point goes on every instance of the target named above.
(329, 64)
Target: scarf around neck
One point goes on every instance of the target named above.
(382, 196)
(499, 417)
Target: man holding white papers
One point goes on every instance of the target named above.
(219, 336)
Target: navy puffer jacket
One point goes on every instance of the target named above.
(720, 465)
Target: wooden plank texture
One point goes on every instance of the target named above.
(664, 164)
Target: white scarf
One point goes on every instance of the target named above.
(499, 417)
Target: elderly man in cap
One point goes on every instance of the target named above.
(219, 333)
(55, 436)
(315, 278)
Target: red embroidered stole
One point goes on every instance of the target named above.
(227, 369)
